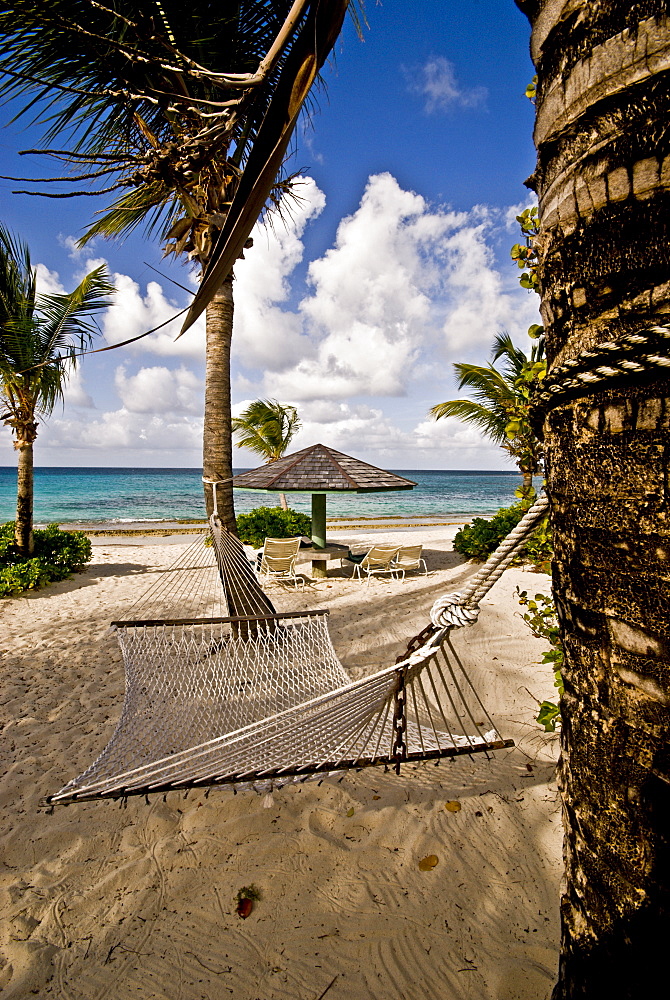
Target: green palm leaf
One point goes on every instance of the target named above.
(491, 423)
(500, 404)
(266, 427)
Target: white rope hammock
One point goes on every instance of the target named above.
(258, 698)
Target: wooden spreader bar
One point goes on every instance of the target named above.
(148, 623)
(297, 772)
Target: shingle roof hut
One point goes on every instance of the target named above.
(320, 470)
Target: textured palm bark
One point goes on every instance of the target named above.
(217, 460)
(23, 529)
(603, 182)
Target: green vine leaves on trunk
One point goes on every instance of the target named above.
(531, 90)
(542, 620)
(526, 254)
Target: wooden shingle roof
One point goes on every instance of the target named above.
(318, 469)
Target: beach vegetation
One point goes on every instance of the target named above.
(56, 556)
(482, 536)
(542, 620)
(181, 114)
(41, 337)
(267, 427)
(501, 408)
(526, 254)
(272, 522)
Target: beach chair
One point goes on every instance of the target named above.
(407, 559)
(376, 561)
(278, 558)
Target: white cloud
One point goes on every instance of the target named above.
(371, 298)
(481, 302)
(436, 82)
(265, 334)
(74, 393)
(123, 430)
(48, 282)
(360, 430)
(159, 390)
(133, 313)
(405, 285)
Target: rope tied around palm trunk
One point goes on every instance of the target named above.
(644, 354)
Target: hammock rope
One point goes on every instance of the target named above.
(260, 698)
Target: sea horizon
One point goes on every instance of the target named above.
(90, 495)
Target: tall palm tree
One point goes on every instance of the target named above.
(603, 184)
(183, 112)
(501, 405)
(267, 427)
(40, 337)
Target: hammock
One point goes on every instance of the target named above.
(256, 698)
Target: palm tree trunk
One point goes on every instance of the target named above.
(282, 501)
(217, 460)
(23, 531)
(527, 484)
(603, 182)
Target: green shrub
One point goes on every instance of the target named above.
(482, 536)
(57, 555)
(272, 522)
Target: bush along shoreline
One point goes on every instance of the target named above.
(272, 522)
(482, 536)
(57, 555)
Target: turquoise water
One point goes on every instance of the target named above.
(125, 495)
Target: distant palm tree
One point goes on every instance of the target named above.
(185, 111)
(267, 427)
(40, 337)
(502, 402)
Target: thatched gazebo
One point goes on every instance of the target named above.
(320, 470)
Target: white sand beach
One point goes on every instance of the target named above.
(104, 901)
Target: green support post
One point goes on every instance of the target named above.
(319, 520)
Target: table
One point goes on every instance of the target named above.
(320, 558)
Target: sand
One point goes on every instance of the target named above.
(100, 901)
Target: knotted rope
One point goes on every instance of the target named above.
(462, 607)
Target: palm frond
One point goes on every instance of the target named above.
(487, 384)
(65, 318)
(266, 427)
(491, 423)
(40, 335)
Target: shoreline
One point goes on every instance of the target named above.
(172, 527)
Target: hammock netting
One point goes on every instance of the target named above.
(222, 689)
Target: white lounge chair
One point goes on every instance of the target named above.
(278, 560)
(408, 559)
(376, 561)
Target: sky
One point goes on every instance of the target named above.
(392, 266)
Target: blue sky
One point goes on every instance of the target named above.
(394, 266)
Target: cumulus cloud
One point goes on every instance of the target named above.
(404, 285)
(159, 390)
(436, 82)
(406, 289)
(134, 312)
(74, 393)
(267, 334)
(48, 282)
(481, 301)
(362, 323)
(125, 431)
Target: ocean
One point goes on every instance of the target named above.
(94, 496)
